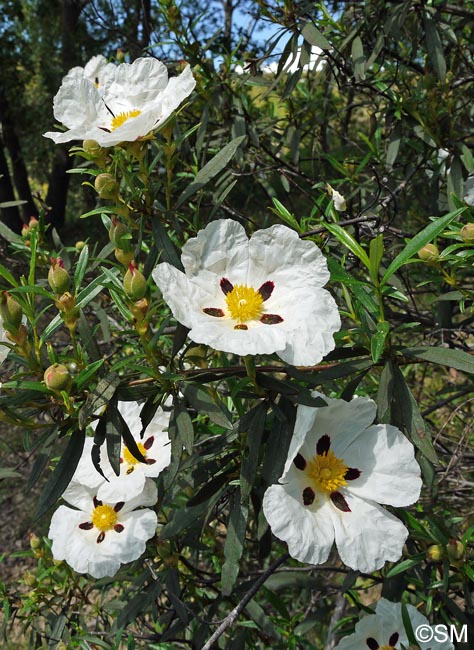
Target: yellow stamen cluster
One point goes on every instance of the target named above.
(327, 472)
(104, 517)
(244, 303)
(129, 458)
(119, 119)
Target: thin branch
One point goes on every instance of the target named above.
(230, 619)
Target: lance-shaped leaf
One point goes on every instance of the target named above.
(100, 397)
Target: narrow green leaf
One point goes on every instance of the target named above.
(164, 245)
(9, 235)
(201, 399)
(6, 275)
(434, 46)
(315, 37)
(418, 241)
(349, 242)
(100, 396)
(139, 603)
(62, 474)
(234, 543)
(358, 58)
(377, 341)
(385, 393)
(184, 425)
(210, 169)
(457, 359)
(252, 424)
(81, 267)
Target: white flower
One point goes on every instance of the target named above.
(4, 350)
(154, 446)
(340, 467)
(255, 296)
(339, 201)
(112, 104)
(100, 536)
(385, 630)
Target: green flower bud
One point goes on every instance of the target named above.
(119, 235)
(467, 233)
(58, 277)
(139, 309)
(123, 257)
(120, 56)
(456, 550)
(79, 245)
(35, 542)
(11, 312)
(57, 377)
(93, 148)
(435, 553)
(134, 282)
(429, 253)
(106, 186)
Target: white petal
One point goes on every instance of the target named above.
(370, 626)
(4, 350)
(81, 496)
(148, 497)
(123, 487)
(136, 85)
(309, 533)
(279, 255)
(368, 536)
(77, 104)
(390, 473)
(178, 89)
(86, 474)
(220, 250)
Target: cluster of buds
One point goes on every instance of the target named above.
(454, 551)
(28, 229)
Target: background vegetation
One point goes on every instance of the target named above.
(385, 116)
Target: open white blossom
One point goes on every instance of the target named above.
(99, 536)
(117, 103)
(385, 630)
(253, 296)
(340, 467)
(154, 446)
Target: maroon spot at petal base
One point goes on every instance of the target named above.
(308, 496)
(393, 639)
(150, 461)
(101, 537)
(118, 506)
(372, 643)
(118, 528)
(339, 501)
(323, 444)
(266, 289)
(97, 502)
(213, 311)
(226, 285)
(241, 326)
(271, 319)
(299, 461)
(148, 443)
(352, 473)
(87, 525)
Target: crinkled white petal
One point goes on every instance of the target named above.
(77, 104)
(368, 536)
(86, 474)
(80, 549)
(386, 622)
(220, 250)
(389, 472)
(309, 532)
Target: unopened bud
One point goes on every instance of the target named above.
(33, 223)
(106, 186)
(93, 148)
(66, 302)
(120, 56)
(79, 245)
(123, 257)
(338, 200)
(456, 550)
(25, 231)
(119, 235)
(58, 277)
(139, 309)
(435, 553)
(134, 282)
(467, 232)
(35, 542)
(29, 579)
(11, 312)
(57, 377)
(429, 253)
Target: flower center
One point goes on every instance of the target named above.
(104, 517)
(128, 456)
(244, 303)
(327, 472)
(119, 119)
